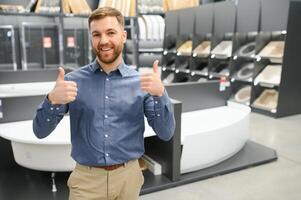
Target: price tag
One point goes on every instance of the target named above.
(70, 42)
(223, 83)
(47, 42)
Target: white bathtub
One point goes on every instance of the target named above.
(211, 136)
(25, 89)
(49, 154)
(208, 137)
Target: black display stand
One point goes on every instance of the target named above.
(279, 23)
(247, 27)
(223, 30)
(169, 47)
(202, 33)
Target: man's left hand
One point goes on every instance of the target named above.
(151, 82)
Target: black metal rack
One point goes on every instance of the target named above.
(223, 31)
(244, 46)
(278, 23)
(202, 33)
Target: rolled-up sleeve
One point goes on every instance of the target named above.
(160, 115)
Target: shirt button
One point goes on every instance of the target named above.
(158, 115)
(51, 108)
(106, 116)
(48, 120)
(107, 154)
(106, 135)
(107, 97)
(156, 102)
(57, 108)
(107, 79)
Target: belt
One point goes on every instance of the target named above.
(110, 167)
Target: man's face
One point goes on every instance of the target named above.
(108, 38)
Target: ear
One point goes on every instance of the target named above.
(124, 36)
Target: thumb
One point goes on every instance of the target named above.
(61, 74)
(155, 67)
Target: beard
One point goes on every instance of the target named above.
(109, 57)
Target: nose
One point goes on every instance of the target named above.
(103, 40)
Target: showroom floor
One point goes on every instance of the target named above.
(279, 180)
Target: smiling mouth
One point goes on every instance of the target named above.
(105, 49)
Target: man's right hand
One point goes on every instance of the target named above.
(64, 91)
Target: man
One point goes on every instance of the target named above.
(107, 102)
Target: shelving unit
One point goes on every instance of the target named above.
(221, 43)
(202, 41)
(150, 40)
(184, 40)
(169, 47)
(276, 93)
(244, 50)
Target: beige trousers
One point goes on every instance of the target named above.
(89, 183)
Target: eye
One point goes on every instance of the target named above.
(95, 35)
(111, 33)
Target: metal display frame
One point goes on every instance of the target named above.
(13, 43)
(23, 42)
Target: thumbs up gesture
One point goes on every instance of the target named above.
(64, 91)
(151, 82)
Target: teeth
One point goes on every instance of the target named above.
(103, 49)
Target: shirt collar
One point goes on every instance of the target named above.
(122, 68)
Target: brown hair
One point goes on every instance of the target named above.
(103, 12)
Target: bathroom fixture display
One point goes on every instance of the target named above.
(267, 100)
(223, 50)
(247, 50)
(273, 51)
(202, 50)
(226, 127)
(243, 95)
(185, 49)
(49, 154)
(25, 89)
(271, 75)
(245, 72)
(142, 28)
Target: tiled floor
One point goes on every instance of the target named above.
(280, 180)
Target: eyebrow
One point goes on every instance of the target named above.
(110, 29)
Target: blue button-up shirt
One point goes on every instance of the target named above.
(107, 117)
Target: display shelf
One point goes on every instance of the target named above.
(275, 65)
(243, 61)
(199, 61)
(221, 42)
